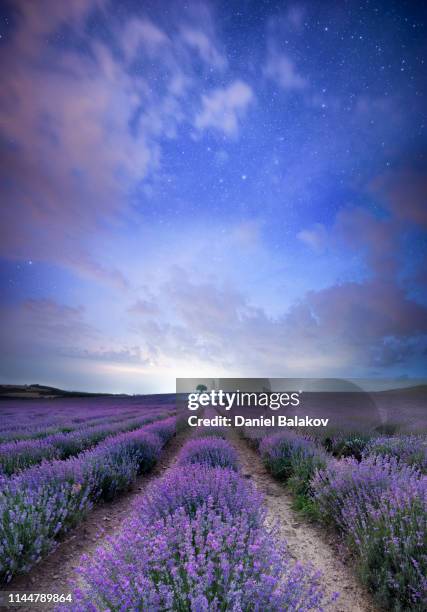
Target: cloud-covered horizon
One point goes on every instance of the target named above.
(200, 192)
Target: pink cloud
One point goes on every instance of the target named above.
(315, 237)
(205, 46)
(44, 326)
(145, 308)
(224, 107)
(282, 69)
(142, 34)
(404, 193)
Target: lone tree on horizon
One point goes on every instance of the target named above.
(201, 388)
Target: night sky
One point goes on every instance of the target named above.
(212, 189)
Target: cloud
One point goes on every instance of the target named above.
(39, 20)
(378, 234)
(403, 191)
(295, 17)
(69, 154)
(80, 131)
(52, 329)
(366, 312)
(224, 107)
(371, 236)
(43, 326)
(339, 330)
(398, 351)
(345, 329)
(205, 46)
(125, 355)
(145, 308)
(314, 237)
(281, 69)
(141, 35)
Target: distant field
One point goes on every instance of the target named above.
(13, 409)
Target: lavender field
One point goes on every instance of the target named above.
(200, 533)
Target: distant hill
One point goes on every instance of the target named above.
(24, 392)
(413, 389)
(43, 392)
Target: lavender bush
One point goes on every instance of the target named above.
(346, 443)
(409, 449)
(190, 487)
(115, 464)
(380, 505)
(213, 452)
(206, 562)
(39, 420)
(19, 455)
(348, 478)
(293, 458)
(34, 511)
(165, 429)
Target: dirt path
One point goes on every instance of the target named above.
(53, 574)
(306, 542)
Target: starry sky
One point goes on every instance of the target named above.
(212, 189)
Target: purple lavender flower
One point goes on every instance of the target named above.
(211, 451)
(409, 449)
(289, 456)
(190, 487)
(380, 505)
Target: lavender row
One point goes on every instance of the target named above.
(29, 432)
(23, 415)
(197, 542)
(39, 504)
(206, 431)
(380, 506)
(210, 451)
(407, 448)
(377, 502)
(19, 455)
(48, 413)
(293, 458)
(67, 425)
(411, 449)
